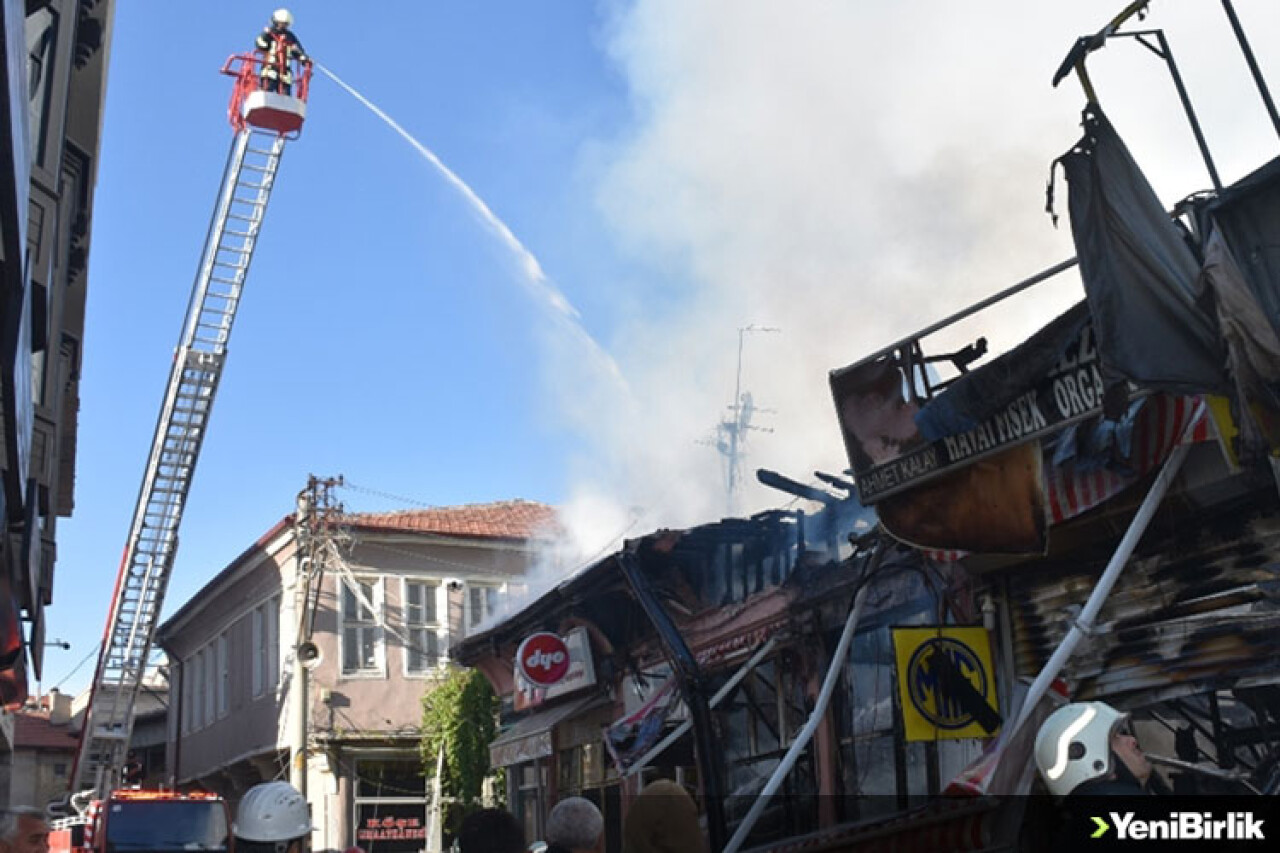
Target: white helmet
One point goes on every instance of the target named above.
(1073, 745)
(282, 18)
(272, 811)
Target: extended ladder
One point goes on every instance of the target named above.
(180, 431)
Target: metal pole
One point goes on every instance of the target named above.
(706, 744)
(1253, 65)
(966, 312)
(838, 659)
(1167, 55)
(679, 731)
(298, 687)
(733, 430)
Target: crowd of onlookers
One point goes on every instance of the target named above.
(273, 818)
(663, 819)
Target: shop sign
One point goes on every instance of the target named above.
(888, 453)
(579, 673)
(946, 683)
(391, 827)
(543, 659)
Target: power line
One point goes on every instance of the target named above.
(76, 668)
(389, 496)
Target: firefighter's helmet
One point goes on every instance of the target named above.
(282, 18)
(1073, 745)
(272, 812)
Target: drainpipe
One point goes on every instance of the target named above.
(692, 689)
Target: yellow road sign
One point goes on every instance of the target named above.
(946, 682)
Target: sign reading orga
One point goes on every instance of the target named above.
(896, 441)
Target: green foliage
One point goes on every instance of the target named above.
(460, 712)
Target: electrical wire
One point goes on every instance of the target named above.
(353, 585)
(76, 668)
(389, 496)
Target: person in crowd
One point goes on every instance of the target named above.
(23, 830)
(490, 831)
(1089, 749)
(273, 817)
(663, 819)
(575, 825)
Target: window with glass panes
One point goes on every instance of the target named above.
(482, 604)
(361, 636)
(421, 626)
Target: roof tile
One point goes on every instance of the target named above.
(517, 519)
(32, 730)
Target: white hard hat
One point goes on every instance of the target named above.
(1073, 745)
(272, 811)
(283, 17)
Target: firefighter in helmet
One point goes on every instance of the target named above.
(273, 817)
(279, 45)
(1088, 748)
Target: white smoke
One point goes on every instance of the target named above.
(849, 172)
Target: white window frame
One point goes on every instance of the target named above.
(469, 622)
(223, 645)
(436, 588)
(264, 649)
(379, 668)
(210, 685)
(273, 642)
(188, 693)
(197, 707)
(258, 640)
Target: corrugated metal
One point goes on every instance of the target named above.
(1203, 613)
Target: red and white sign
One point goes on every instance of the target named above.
(543, 659)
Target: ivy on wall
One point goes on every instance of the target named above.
(460, 713)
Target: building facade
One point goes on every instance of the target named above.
(52, 86)
(398, 591)
(873, 678)
(45, 743)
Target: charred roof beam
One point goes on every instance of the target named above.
(692, 689)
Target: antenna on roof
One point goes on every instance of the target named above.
(731, 432)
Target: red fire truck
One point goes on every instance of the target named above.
(128, 821)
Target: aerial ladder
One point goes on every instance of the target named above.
(263, 122)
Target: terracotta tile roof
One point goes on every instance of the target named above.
(518, 519)
(32, 730)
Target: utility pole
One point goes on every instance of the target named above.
(731, 432)
(315, 525)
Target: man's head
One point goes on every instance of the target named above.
(273, 818)
(1125, 747)
(491, 831)
(1084, 741)
(663, 819)
(23, 830)
(281, 19)
(576, 824)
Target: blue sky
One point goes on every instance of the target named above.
(846, 172)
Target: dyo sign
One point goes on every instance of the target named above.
(543, 659)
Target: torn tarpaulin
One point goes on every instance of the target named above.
(630, 738)
(1139, 274)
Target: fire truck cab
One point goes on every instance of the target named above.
(132, 821)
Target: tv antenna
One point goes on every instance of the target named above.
(731, 433)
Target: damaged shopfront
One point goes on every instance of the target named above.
(1090, 513)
